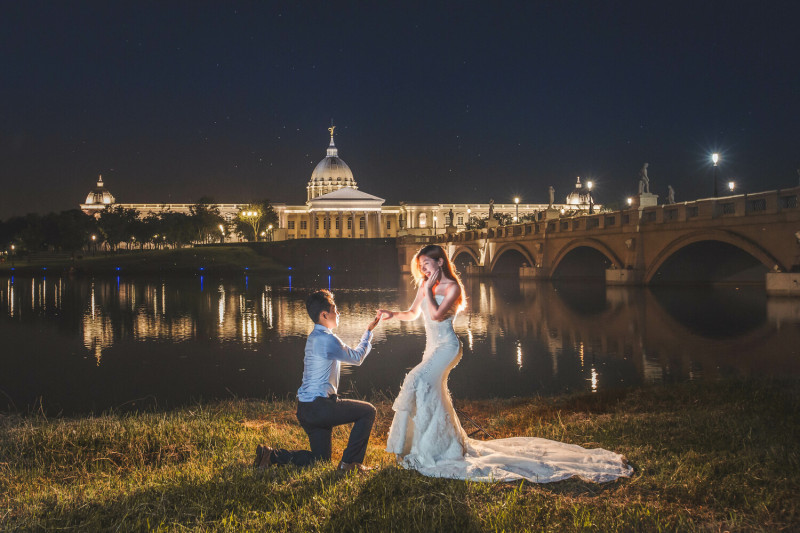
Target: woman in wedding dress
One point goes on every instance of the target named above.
(426, 434)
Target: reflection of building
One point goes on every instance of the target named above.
(98, 330)
(336, 208)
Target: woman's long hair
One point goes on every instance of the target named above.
(436, 252)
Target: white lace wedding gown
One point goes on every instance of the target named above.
(427, 436)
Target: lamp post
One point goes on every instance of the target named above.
(731, 186)
(252, 218)
(469, 217)
(94, 244)
(222, 232)
(12, 255)
(589, 185)
(516, 206)
(715, 160)
(630, 201)
(269, 232)
(434, 224)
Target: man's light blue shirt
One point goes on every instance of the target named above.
(325, 352)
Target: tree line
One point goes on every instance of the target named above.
(74, 230)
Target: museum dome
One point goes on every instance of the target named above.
(100, 196)
(330, 174)
(580, 197)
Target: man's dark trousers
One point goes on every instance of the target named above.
(318, 419)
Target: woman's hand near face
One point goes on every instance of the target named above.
(433, 279)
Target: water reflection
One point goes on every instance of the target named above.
(246, 337)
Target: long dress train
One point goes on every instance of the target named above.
(426, 434)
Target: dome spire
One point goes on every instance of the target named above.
(332, 151)
(99, 180)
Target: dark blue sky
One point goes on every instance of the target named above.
(433, 102)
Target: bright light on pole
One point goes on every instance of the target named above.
(269, 230)
(731, 185)
(516, 205)
(630, 201)
(589, 185)
(715, 160)
(434, 224)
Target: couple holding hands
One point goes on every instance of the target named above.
(425, 434)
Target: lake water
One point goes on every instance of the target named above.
(82, 345)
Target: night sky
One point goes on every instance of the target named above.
(433, 102)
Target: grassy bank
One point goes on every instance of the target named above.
(220, 259)
(708, 457)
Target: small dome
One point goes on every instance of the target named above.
(330, 174)
(580, 196)
(100, 195)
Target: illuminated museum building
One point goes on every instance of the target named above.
(336, 208)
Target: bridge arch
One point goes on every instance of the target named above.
(586, 243)
(464, 250)
(728, 237)
(505, 247)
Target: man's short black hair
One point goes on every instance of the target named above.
(318, 302)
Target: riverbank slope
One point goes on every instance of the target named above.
(359, 256)
(707, 456)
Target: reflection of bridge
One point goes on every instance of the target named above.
(633, 244)
(632, 324)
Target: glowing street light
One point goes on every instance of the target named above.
(731, 185)
(589, 185)
(434, 224)
(94, 244)
(253, 219)
(269, 232)
(715, 160)
(516, 202)
(630, 201)
(12, 255)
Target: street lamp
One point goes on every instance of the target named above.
(630, 201)
(715, 160)
(12, 255)
(589, 185)
(222, 231)
(731, 185)
(252, 218)
(94, 244)
(434, 224)
(516, 205)
(269, 232)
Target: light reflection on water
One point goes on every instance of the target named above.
(85, 345)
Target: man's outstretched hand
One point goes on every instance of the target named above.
(374, 323)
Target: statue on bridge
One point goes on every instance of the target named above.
(552, 192)
(491, 208)
(452, 219)
(670, 194)
(644, 180)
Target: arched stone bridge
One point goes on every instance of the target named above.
(634, 244)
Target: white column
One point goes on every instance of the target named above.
(380, 224)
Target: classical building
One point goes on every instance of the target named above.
(336, 208)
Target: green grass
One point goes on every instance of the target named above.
(228, 258)
(707, 457)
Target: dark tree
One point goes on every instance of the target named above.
(206, 219)
(116, 224)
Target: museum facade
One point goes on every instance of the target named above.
(336, 208)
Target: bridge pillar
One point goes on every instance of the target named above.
(529, 272)
(624, 276)
(783, 283)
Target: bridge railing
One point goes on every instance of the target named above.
(742, 205)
